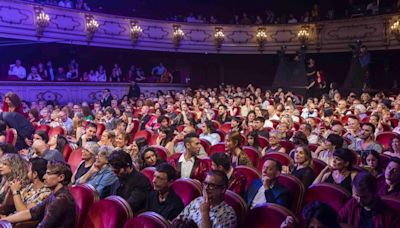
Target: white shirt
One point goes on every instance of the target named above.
(259, 198)
(20, 71)
(32, 77)
(186, 166)
(213, 138)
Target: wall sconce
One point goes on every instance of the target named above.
(42, 21)
(91, 27)
(178, 35)
(303, 35)
(395, 29)
(136, 31)
(261, 37)
(219, 37)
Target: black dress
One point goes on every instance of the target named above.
(305, 175)
(311, 77)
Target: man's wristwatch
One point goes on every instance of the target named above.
(16, 193)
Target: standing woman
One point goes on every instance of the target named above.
(234, 148)
(12, 103)
(311, 75)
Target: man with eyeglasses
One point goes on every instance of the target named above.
(214, 212)
(58, 210)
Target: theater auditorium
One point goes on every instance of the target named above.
(209, 114)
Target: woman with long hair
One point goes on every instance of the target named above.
(58, 142)
(233, 145)
(150, 158)
(372, 162)
(394, 148)
(12, 103)
(209, 133)
(302, 165)
(252, 140)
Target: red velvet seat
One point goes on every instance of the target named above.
(219, 147)
(147, 220)
(385, 138)
(318, 166)
(161, 151)
(85, 196)
(100, 128)
(275, 123)
(365, 119)
(253, 154)
(345, 120)
(296, 189)
(394, 122)
(392, 203)
(313, 147)
(206, 145)
(385, 159)
(142, 134)
(67, 152)
(112, 211)
(75, 158)
(268, 215)
(263, 142)
(296, 126)
(289, 146)
(221, 135)
(149, 173)
(11, 136)
(180, 128)
(331, 194)
(250, 174)
(216, 124)
(153, 139)
(56, 131)
(187, 189)
(283, 158)
(238, 204)
(225, 127)
(44, 127)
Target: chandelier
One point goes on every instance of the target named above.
(42, 21)
(91, 27)
(219, 37)
(303, 35)
(395, 29)
(178, 35)
(261, 37)
(136, 31)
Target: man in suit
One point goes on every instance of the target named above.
(268, 189)
(106, 100)
(22, 125)
(188, 165)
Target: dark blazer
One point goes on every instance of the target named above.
(22, 125)
(278, 194)
(199, 170)
(143, 121)
(106, 102)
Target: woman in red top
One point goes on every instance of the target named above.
(12, 103)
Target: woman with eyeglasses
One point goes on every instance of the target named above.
(372, 162)
(274, 145)
(89, 152)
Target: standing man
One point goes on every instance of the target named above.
(106, 99)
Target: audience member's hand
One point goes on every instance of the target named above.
(205, 205)
(23, 152)
(288, 223)
(28, 141)
(15, 185)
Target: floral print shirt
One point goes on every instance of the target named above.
(29, 195)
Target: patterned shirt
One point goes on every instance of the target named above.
(221, 216)
(30, 195)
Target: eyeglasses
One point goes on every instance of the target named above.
(51, 173)
(211, 186)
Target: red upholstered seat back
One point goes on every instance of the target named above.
(112, 211)
(161, 151)
(385, 138)
(147, 220)
(289, 146)
(252, 153)
(85, 196)
(331, 194)
(225, 127)
(149, 173)
(392, 203)
(206, 145)
(75, 158)
(142, 134)
(238, 204)
(153, 139)
(283, 158)
(67, 152)
(296, 189)
(11, 136)
(318, 166)
(100, 128)
(250, 174)
(263, 141)
(219, 147)
(45, 128)
(187, 189)
(267, 215)
(56, 131)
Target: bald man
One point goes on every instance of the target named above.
(42, 150)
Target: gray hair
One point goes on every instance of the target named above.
(105, 150)
(92, 147)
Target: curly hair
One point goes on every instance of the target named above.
(18, 168)
(14, 99)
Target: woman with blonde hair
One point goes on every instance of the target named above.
(233, 144)
(13, 168)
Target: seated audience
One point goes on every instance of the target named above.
(107, 138)
(100, 175)
(89, 135)
(36, 191)
(237, 181)
(274, 145)
(163, 200)
(366, 140)
(209, 133)
(150, 158)
(302, 166)
(188, 165)
(165, 137)
(42, 150)
(252, 140)
(325, 151)
(341, 171)
(59, 209)
(268, 189)
(210, 210)
(89, 153)
(394, 149)
(372, 162)
(233, 144)
(133, 186)
(391, 187)
(258, 127)
(366, 209)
